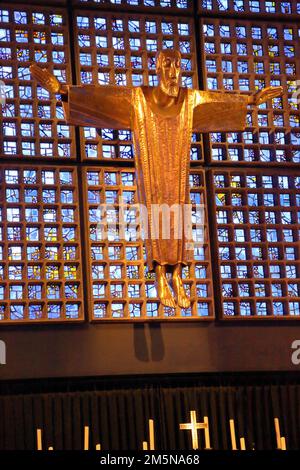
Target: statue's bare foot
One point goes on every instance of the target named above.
(182, 299)
(163, 288)
(164, 292)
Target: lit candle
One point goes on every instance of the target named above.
(98, 446)
(86, 438)
(151, 433)
(206, 434)
(145, 445)
(242, 442)
(283, 443)
(232, 434)
(277, 430)
(39, 439)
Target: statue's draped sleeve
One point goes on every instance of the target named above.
(218, 111)
(98, 106)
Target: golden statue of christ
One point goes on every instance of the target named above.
(162, 119)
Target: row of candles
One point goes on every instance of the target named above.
(193, 426)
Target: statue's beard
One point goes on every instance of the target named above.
(171, 89)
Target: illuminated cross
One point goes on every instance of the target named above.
(193, 426)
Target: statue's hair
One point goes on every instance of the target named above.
(160, 54)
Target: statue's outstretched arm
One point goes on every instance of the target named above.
(89, 105)
(222, 111)
(98, 106)
(47, 80)
(219, 111)
(264, 95)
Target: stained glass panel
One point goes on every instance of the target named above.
(164, 4)
(258, 250)
(32, 121)
(121, 51)
(244, 7)
(118, 269)
(40, 262)
(270, 58)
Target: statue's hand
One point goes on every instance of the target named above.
(46, 79)
(265, 94)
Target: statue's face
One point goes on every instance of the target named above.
(169, 72)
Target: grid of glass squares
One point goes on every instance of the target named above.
(165, 4)
(110, 144)
(120, 50)
(256, 7)
(121, 287)
(32, 123)
(246, 57)
(40, 260)
(257, 217)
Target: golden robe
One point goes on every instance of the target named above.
(161, 145)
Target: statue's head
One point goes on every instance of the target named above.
(168, 71)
